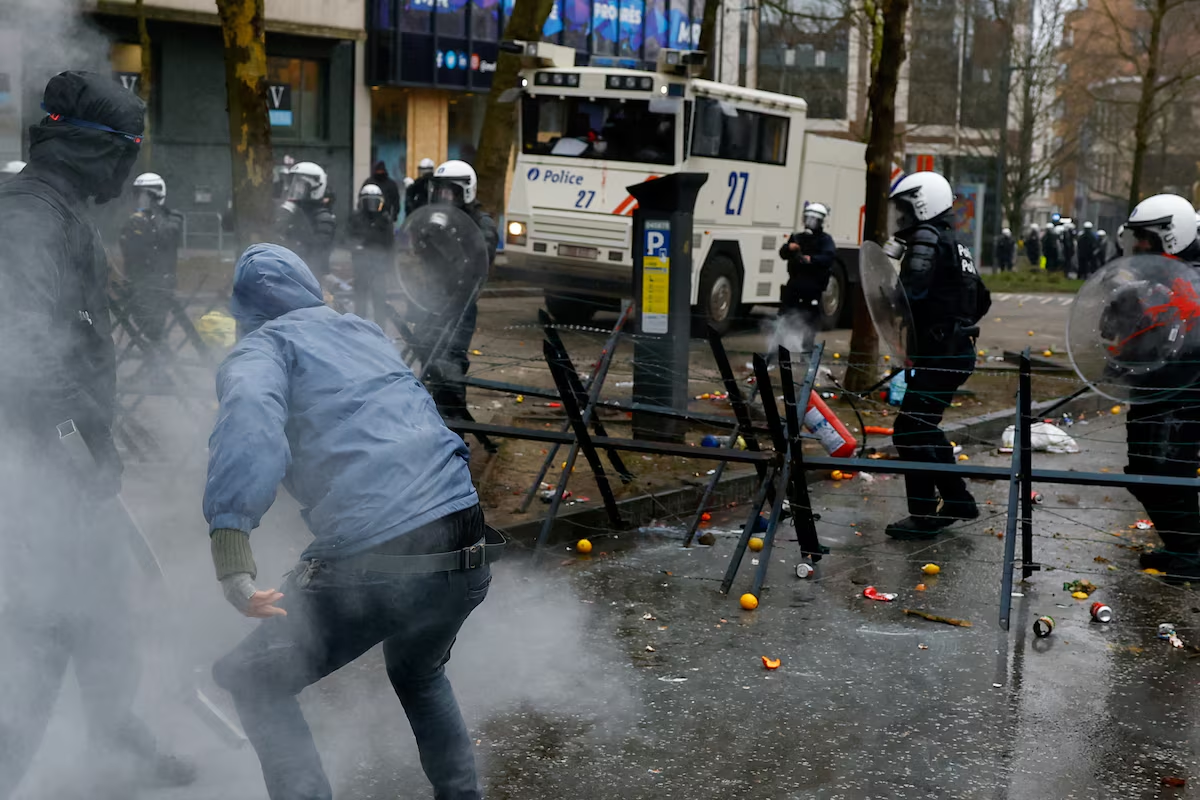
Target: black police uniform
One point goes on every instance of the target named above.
(391, 190)
(150, 242)
(1089, 253)
(66, 569)
(373, 235)
(1164, 439)
(307, 228)
(445, 379)
(1051, 249)
(809, 269)
(947, 298)
(1068, 250)
(1033, 249)
(1006, 251)
(417, 194)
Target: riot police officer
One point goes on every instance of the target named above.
(150, 242)
(416, 194)
(947, 299)
(306, 223)
(1052, 247)
(1090, 248)
(1006, 250)
(1164, 437)
(373, 238)
(1033, 247)
(810, 256)
(455, 183)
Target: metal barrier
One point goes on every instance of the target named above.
(203, 230)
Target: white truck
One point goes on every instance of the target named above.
(587, 133)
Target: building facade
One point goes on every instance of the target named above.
(316, 62)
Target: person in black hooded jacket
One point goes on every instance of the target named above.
(66, 572)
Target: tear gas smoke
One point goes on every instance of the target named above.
(789, 330)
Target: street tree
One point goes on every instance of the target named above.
(500, 117)
(244, 34)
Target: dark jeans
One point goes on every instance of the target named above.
(445, 379)
(335, 614)
(1164, 439)
(931, 387)
(66, 581)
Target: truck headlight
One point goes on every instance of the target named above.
(516, 233)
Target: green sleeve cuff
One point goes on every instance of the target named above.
(231, 553)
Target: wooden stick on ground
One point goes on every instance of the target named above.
(962, 623)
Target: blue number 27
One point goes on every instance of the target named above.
(736, 178)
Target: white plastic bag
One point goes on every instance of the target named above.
(1045, 438)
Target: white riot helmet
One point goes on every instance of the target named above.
(12, 168)
(1164, 223)
(920, 197)
(454, 182)
(1005, 232)
(1033, 227)
(308, 182)
(425, 167)
(149, 187)
(370, 198)
(1087, 226)
(1102, 234)
(814, 216)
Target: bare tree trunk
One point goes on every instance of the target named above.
(144, 81)
(1145, 109)
(708, 37)
(500, 119)
(881, 148)
(1023, 187)
(249, 127)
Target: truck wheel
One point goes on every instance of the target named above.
(719, 301)
(570, 310)
(836, 297)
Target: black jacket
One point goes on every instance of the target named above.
(487, 226)
(807, 279)
(417, 194)
(942, 283)
(307, 228)
(150, 241)
(372, 230)
(1033, 249)
(391, 193)
(1089, 249)
(1006, 249)
(59, 360)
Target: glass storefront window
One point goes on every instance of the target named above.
(465, 123)
(389, 130)
(485, 19)
(417, 16)
(452, 18)
(305, 80)
(610, 129)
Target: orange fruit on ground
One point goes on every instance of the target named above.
(583, 546)
(755, 543)
(749, 601)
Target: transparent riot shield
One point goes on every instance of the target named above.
(1134, 329)
(886, 301)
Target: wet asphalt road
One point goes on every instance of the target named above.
(566, 698)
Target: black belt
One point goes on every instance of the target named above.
(483, 552)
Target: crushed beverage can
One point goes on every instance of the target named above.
(1166, 630)
(1101, 612)
(804, 570)
(1036, 497)
(1043, 627)
(871, 593)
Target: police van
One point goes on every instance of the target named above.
(587, 133)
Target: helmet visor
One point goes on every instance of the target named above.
(371, 203)
(300, 187)
(448, 191)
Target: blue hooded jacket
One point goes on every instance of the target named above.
(321, 402)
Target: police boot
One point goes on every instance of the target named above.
(916, 527)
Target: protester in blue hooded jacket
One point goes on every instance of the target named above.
(322, 403)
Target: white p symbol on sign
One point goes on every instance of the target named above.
(655, 241)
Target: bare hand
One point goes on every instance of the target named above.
(261, 605)
(793, 247)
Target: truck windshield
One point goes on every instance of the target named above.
(602, 128)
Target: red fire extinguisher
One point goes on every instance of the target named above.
(822, 422)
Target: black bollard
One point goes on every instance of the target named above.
(662, 288)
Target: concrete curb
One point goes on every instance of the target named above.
(739, 486)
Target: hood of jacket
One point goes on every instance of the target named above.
(271, 281)
(96, 163)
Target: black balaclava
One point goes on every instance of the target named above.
(96, 162)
